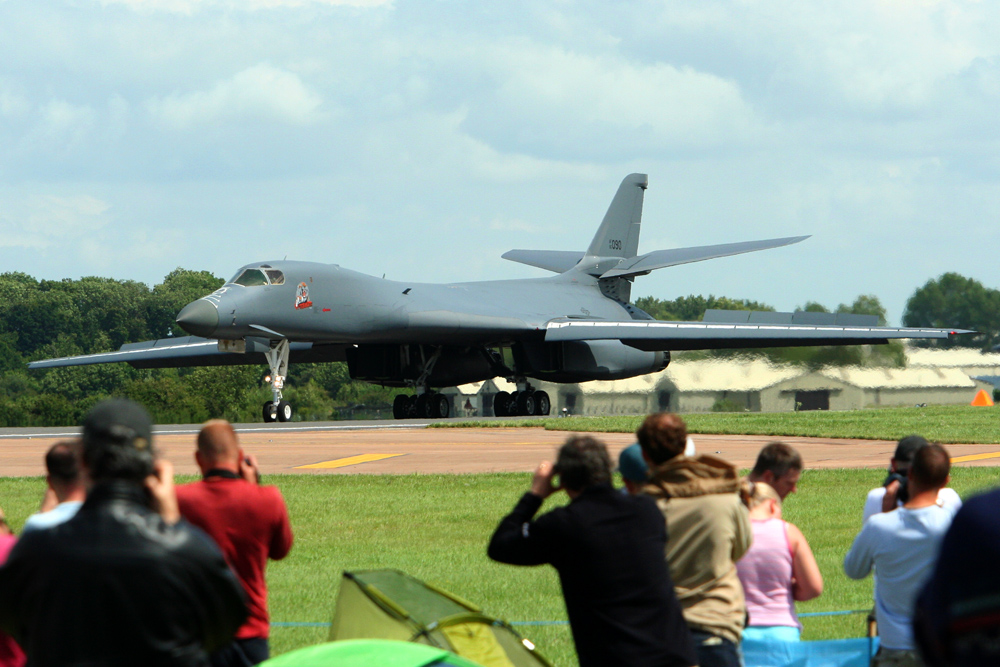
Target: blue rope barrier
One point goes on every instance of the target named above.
(293, 624)
(835, 613)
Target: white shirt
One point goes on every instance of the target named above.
(947, 498)
(61, 513)
(903, 545)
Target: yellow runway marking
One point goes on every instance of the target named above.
(975, 457)
(349, 461)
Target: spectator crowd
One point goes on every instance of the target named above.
(120, 567)
(735, 568)
(677, 568)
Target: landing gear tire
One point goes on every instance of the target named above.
(542, 403)
(284, 411)
(526, 402)
(440, 406)
(512, 410)
(270, 414)
(423, 407)
(401, 406)
(500, 402)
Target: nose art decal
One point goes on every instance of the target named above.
(302, 297)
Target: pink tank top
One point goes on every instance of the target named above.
(766, 574)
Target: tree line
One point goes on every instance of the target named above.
(42, 319)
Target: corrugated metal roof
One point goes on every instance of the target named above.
(964, 357)
(747, 376)
(900, 378)
(702, 375)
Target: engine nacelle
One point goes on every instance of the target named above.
(580, 361)
(400, 365)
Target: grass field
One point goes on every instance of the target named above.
(436, 527)
(953, 423)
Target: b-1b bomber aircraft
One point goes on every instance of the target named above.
(575, 326)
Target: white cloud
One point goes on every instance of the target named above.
(43, 221)
(547, 98)
(13, 104)
(262, 91)
(679, 104)
(513, 225)
(189, 7)
(60, 127)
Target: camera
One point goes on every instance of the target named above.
(903, 494)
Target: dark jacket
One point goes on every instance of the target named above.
(116, 585)
(957, 617)
(608, 549)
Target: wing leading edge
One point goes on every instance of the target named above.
(654, 336)
(187, 351)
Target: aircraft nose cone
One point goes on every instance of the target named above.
(199, 318)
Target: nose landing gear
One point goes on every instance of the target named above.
(278, 409)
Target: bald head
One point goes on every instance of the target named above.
(218, 446)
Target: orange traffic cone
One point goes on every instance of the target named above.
(982, 398)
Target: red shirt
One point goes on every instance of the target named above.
(11, 654)
(250, 525)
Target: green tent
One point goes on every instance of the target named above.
(389, 604)
(368, 652)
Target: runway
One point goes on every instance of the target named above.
(407, 447)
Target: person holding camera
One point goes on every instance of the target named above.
(894, 492)
(247, 520)
(902, 546)
(125, 581)
(608, 550)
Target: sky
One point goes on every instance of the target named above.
(421, 140)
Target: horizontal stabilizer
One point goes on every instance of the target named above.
(659, 259)
(658, 335)
(798, 317)
(559, 261)
(185, 351)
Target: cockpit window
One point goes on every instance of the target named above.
(275, 276)
(251, 278)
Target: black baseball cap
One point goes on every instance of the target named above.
(907, 447)
(118, 422)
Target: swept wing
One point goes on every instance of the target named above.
(184, 351)
(660, 259)
(740, 329)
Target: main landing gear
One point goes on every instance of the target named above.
(278, 409)
(428, 405)
(522, 403)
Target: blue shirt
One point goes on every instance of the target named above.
(903, 546)
(61, 513)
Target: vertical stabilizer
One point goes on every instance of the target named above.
(618, 235)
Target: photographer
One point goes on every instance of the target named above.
(124, 582)
(903, 545)
(608, 550)
(894, 492)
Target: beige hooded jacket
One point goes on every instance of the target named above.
(708, 530)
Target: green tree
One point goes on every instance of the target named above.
(179, 288)
(952, 301)
(328, 376)
(235, 393)
(311, 402)
(813, 307)
(168, 399)
(865, 304)
(692, 308)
